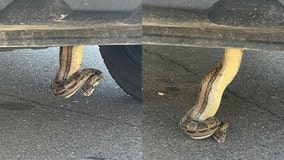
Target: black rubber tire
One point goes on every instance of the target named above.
(125, 66)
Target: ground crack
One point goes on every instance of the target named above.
(180, 65)
(116, 122)
(230, 91)
(255, 104)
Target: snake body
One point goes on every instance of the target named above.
(69, 78)
(199, 122)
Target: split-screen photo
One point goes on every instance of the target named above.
(141, 79)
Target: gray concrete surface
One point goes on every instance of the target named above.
(37, 125)
(253, 105)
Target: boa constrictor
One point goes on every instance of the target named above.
(199, 122)
(69, 78)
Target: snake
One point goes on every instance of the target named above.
(199, 122)
(69, 78)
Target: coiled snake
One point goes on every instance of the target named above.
(200, 122)
(69, 78)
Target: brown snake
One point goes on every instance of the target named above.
(69, 78)
(199, 122)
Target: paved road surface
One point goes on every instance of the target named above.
(107, 125)
(37, 125)
(253, 105)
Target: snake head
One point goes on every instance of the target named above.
(220, 134)
(94, 76)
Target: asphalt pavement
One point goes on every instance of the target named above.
(253, 104)
(112, 125)
(37, 125)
